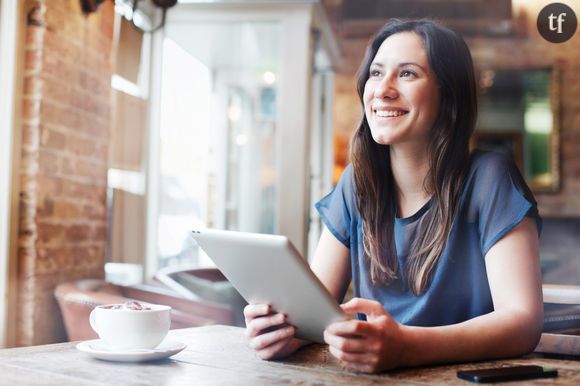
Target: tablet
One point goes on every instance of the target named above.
(267, 269)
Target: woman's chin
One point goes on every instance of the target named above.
(382, 139)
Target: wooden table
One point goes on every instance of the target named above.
(219, 355)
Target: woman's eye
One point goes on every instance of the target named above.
(375, 73)
(407, 73)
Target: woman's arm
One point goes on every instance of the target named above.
(331, 264)
(513, 328)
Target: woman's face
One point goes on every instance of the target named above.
(401, 96)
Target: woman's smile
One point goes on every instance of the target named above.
(389, 113)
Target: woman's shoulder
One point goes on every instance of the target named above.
(346, 180)
(344, 190)
(496, 196)
(489, 167)
(492, 173)
(484, 160)
(338, 208)
(348, 188)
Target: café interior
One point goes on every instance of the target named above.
(125, 127)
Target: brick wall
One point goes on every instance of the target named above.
(66, 123)
(529, 49)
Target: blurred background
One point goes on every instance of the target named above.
(126, 124)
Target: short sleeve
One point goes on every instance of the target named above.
(338, 208)
(504, 199)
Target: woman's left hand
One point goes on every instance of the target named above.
(369, 346)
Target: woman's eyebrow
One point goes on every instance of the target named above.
(402, 64)
(411, 64)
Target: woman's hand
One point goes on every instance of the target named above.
(368, 346)
(268, 333)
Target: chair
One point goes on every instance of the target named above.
(77, 300)
(205, 284)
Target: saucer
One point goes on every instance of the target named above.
(97, 349)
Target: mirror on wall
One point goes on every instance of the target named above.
(519, 115)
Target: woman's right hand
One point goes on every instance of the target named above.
(268, 333)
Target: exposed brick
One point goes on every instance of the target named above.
(46, 207)
(87, 82)
(49, 163)
(66, 120)
(34, 37)
(52, 139)
(82, 191)
(99, 233)
(30, 136)
(45, 264)
(73, 166)
(32, 60)
(31, 109)
(49, 185)
(66, 210)
(56, 91)
(93, 212)
(78, 233)
(58, 115)
(48, 232)
(32, 86)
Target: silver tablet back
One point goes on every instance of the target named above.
(267, 269)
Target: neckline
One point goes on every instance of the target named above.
(415, 216)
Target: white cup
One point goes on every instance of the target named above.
(126, 329)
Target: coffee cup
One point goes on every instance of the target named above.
(122, 328)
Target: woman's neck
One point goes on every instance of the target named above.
(410, 167)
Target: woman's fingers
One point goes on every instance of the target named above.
(353, 359)
(261, 324)
(346, 344)
(274, 350)
(350, 328)
(371, 308)
(252, 311)
(267, 331)
(263, 341)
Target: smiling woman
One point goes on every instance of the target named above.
(427, 232)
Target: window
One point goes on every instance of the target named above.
(217, 134)
(225, 130)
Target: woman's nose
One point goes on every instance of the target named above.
(386, 89)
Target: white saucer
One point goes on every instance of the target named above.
(97, 349)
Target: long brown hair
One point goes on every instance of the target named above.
(448, 150)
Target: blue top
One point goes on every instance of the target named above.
(495, 199)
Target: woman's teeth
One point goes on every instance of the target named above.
(391, 113)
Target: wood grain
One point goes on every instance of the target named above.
(219, 355)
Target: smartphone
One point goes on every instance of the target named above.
(504, 374)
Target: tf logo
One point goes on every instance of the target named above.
(557, 22)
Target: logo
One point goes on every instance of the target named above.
(557, 22)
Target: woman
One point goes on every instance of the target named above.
(441, 245)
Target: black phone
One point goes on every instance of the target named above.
(504, 374)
